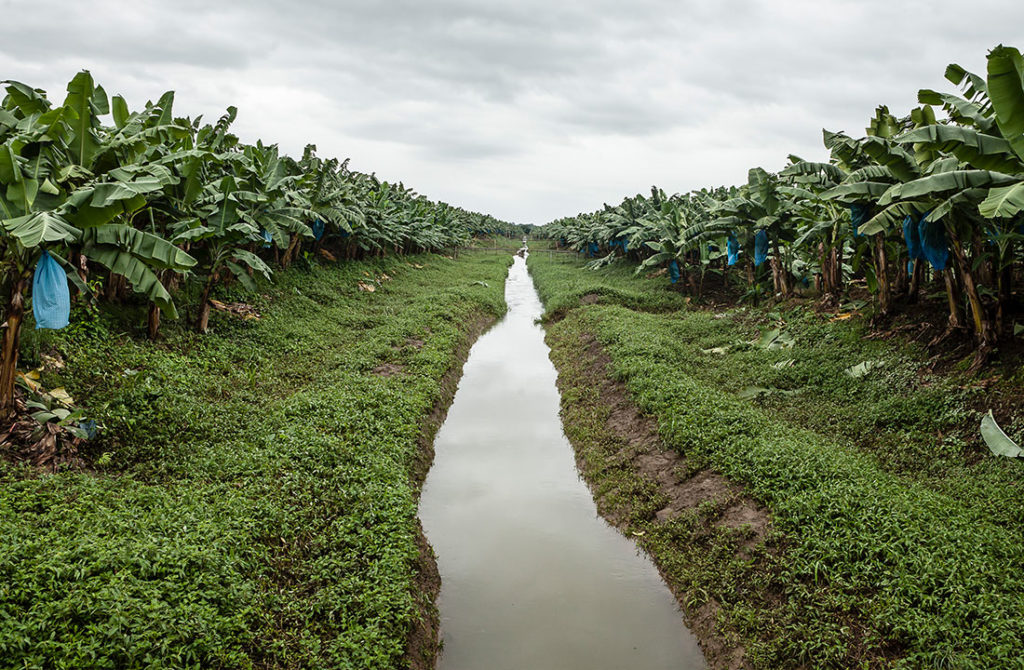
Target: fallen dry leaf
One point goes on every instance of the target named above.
(241, 309)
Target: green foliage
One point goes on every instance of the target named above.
(891, 522)
(252, 502)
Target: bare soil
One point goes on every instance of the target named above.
(643, 452)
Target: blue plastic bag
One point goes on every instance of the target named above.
(51, 299)
(673, 271)
(933, 243)
(318, 230)
(912, 238)
(593, 249)
(859, 215)
(732, 248)
(267, 239)
(760, 247)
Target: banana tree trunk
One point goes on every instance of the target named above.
(902, 276)
(822, 281)
(952, 298)
(153, 322)
(203, 322)
(882, 275)
(289, 255)
(983, 335)
(1005, 294)
(914, 286)
(115, 288)
(837, 266)
(9, 353)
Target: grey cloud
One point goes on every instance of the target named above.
(513, 103)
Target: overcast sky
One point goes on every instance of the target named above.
(525, 109)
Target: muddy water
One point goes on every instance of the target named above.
(532, 578)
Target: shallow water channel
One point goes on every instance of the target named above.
(531, 577)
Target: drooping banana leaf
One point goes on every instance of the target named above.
(981, 151)
(253, 261)
(142, 279)
(1003, 201)
(856, 192)
(900, 162)
(151, 249)
(1006, 91)
(960, 110)
(890, 217)
(998, 442)
(34, 229)
(937, 184)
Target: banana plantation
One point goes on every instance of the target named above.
(148, 203)
(929, 201)
(266, 411)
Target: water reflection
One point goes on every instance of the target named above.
(532, 578)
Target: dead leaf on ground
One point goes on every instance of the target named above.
(369, 288)
(241, 309)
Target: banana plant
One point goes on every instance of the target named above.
(61, 189)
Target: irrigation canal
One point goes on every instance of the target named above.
(531, 576)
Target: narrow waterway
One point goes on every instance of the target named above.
(531, 577)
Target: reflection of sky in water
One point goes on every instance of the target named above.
(532, 578)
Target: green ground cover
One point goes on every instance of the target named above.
(250, 501)
(896, 536)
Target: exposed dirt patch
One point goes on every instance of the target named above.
(388, 369)
(642, 451)
(590, 299)
(409, 343)
(423, 644)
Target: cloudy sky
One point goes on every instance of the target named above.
(526, 109)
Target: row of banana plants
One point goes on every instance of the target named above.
(145, 201)
(935, 195)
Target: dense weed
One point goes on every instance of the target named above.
(895, 529)
(250, 502)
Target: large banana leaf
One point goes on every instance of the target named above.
(1003, 201)
(856, 192)
(938, 184)
(151, 249)
(960, 110)
(813, 169)
(967, 198)
(900, 162)
(1006, 91)
(84, 100)
(142, 279)
(253, 261)
(34, 229)
(869, 173)
(890, 217)
(981, 151)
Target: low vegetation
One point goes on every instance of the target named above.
(893, 529)
(249, 499)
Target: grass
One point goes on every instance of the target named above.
(252, 501)
(896, 536)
